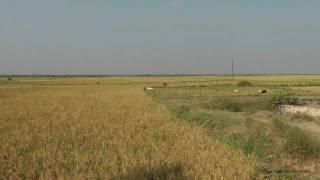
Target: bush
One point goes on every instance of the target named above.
(244, 84)
(285, 98)
(9, 78)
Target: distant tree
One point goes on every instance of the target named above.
(9, 78)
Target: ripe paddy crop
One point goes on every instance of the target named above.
(77, 128)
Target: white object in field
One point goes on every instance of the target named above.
(236, 91)
(290, 109)
(149, 88)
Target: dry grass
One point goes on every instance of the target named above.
(104, 131)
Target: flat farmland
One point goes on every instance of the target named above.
(187, 127)
(103, 128)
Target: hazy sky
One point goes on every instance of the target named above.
(159, 36)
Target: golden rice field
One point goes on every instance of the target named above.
(76, 128)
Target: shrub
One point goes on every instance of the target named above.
(244, 84)
(285, 98)
(9, 78)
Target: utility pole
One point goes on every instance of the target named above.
(232, 68)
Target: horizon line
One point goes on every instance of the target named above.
(179, 74)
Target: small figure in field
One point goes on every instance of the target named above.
(236, 91)
(164, 84)
(263, 91)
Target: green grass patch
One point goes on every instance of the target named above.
(247, 135)
(211, 121)
(242, 104)
(299, 142)
(253, 141)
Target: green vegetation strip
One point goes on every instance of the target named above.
(300, 142)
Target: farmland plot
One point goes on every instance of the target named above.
(77, 128)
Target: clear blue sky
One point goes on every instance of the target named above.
(164, 36)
